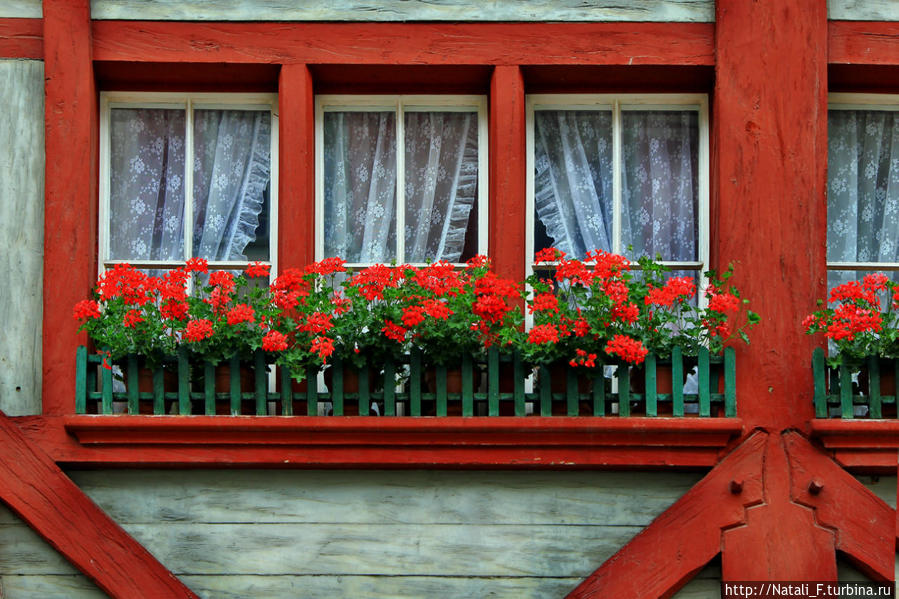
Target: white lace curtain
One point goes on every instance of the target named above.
(231, 171)
(360, 172)
(659, 183)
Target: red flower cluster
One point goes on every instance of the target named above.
(544, 302)
(626, 348)
(197, 330)
(240, 313)
(372, 281)
(328, 266)
(440, 278)
(583, 358)
(317, 322)
(394, 331)
(133, 317)
(86, 309)
(323, 346)
(542, 334)
(257, 269)
(274, 341)
(675, 289)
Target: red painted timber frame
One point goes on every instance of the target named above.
(759, 484)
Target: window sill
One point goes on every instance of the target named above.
(450, 442)
(869, 445)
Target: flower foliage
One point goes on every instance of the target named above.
(861, 319)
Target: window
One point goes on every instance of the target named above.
(621, 173)
(187, 175)
(435, 146)
(862, 186)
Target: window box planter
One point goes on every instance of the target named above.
(839, 391)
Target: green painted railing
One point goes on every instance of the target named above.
(839, 391)
(494, 387)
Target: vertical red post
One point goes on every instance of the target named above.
(770, 132)
(70, 191)
(296, 170)
(507, 172)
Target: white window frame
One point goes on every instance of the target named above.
(187, 102)
(617, 103)
(400, 104)
(857, 101)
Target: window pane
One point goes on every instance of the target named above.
(441, 179)
(573, 180)
(146, 184)
(660, 183)
(360, 185)
(863, 186)
(232, 171)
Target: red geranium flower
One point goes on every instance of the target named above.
(86, 309)
(197, 330)
(274, 341)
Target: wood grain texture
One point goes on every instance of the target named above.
(33, 487)
(296, 171)
(21, 38)
(20, 9)
(771, 157)
(406, 10)
(21, 234)
(863, 43)
(407, 43)
(863, 10)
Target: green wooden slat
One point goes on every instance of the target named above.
(493, 382)
(364, 394)
(312, 391)
(819, 374)
(337, 391)
(467, 387)
(106, 375)
(624, 390)
(234, 385)
(132, 384)
(209, 387)
(874, 404)
(546, 392)
(81, 380)
(286, 392)
(705, 403)
(415, 382)
(261, 383)
(677, 385)
(441, 390)
(158, 391)
(599, 391)
(730, 383)
(518, 384)
(651, 386)
(571, 391)
(389, 388)
(846, 391)
(183, 383)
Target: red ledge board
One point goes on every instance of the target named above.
(420, 442)
(870, 445)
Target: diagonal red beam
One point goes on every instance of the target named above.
(690, 530)
(864, 524)
(42, 495)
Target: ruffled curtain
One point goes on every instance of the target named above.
(232, 169)
(863, 189)
(441, 174)
(660, 193)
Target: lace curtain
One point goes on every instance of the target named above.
(441, 173)
(863, 189)
(232, 169)
(660, 186)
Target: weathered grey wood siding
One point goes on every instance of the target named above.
(863, 10)
(407, 10)
(21, 233)
(20, 9)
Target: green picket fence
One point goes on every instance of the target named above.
(495, 387)
(840, 391)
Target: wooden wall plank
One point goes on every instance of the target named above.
(863, 10)
(21, 234)
(407, 10)
(863, 43)
(407, 43)
(21, 38)
(49, 585)
(20, 9)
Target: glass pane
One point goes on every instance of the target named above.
(232, 173)
(360, 186)
(573, 180)
(863, 186)
(441, 179)
(146, 184)
(660, 184)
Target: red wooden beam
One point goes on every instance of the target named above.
(42, 495)
(864, 524)
(296, 171)
(770, 126)
(863, 42)
(407, 43)
(666, 554)
(21, 38)
(70, 191)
